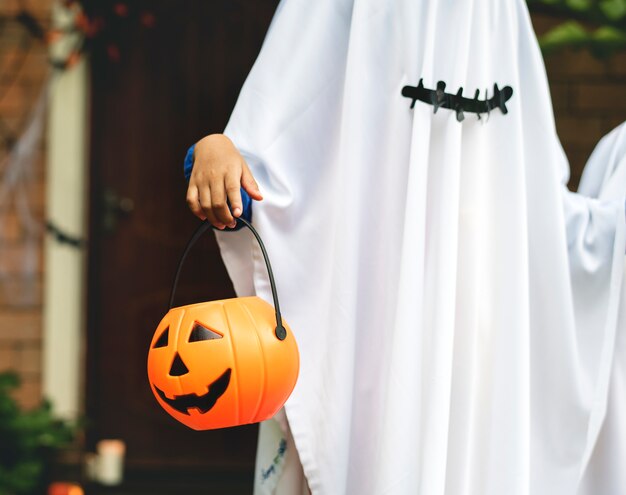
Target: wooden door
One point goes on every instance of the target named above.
(172, 84)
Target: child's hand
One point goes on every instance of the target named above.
(218, 173)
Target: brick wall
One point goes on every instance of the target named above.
(20, 286)
(589, 99)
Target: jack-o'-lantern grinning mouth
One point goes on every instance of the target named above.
(203, 403)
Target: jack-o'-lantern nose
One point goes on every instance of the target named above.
(178, 367)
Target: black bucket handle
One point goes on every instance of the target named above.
(280, 331)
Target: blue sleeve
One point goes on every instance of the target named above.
(245, 198)
(189, 162)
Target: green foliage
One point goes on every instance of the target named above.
(28, 439)
(579, 5)
(607, 16)
(601, 42)
(614, 10)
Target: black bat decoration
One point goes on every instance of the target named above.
(63, 237)
(438, 98)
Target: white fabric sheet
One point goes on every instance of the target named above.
(605, 179)
(455, 308)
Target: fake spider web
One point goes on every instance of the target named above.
(21, 130)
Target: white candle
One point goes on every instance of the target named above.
(110, 465)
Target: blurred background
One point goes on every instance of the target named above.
(99, 101)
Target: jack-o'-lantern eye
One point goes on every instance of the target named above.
(162, 340)
(200, 333)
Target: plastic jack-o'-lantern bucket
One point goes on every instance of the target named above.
(223, 363)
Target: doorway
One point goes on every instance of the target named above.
(171, 84)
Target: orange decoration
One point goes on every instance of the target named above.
(53, 35)
(113, 52)
(91, 27)
(72, 60)
(223, 363)
(120, 9)
(81, 21)
(65, 489)
(147, 19)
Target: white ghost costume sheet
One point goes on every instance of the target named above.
(605, 179)
(455, 307)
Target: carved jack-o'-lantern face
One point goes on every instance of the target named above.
(220, 363)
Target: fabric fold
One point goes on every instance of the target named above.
(456, 310)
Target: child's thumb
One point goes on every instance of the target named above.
(249, 184)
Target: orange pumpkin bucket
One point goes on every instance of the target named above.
(223, 363)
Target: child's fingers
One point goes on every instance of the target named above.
(207, 207)
(219, 204)
(193, 202)
(233, 192)
(249, 184)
